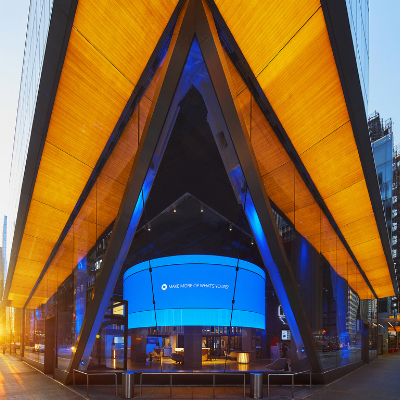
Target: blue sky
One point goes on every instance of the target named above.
(384, 82)
(13, 23)
(384, 61)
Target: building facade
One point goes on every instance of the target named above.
(381, 134)
(177, 200)
(358, 12)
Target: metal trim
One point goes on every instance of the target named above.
(123, 120)
(218, 71)
(246, 73)
(338, 26)
(194, 22)
(56, 49)
(116, 250)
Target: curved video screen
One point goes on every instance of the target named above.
(195, 290)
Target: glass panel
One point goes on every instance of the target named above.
(327, 285)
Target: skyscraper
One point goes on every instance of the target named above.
(187, 187)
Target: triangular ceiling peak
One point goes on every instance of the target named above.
(195, 38)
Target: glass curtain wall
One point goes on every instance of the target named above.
(193, 277)
(10, 339)
(67, 285)
(330, 284)
(35, 45)
(34, 341)
(193, 242)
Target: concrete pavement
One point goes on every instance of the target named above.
(376, 381)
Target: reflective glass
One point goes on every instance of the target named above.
(37, 29)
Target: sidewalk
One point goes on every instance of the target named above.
(376, 381)
(20, 381)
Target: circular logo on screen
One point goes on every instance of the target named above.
(164, 286)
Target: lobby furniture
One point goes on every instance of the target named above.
(232, 356)
(178, 358)
(205, 353)
(158, 354)
(243, 357)
(167, 351)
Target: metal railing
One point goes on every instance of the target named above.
(292, 374)
(192, 373)
(94, 373)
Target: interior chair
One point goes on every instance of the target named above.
(178, 358)
(232, 356)
(158, 354)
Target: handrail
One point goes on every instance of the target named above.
(292, 374)
(95, 373)
(193, 373)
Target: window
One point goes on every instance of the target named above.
(380, 180)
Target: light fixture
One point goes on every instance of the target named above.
(201, 207)
(230, 227)
(174, 208)
(148, 227)
(252, 241)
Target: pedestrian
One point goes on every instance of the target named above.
(285, 349)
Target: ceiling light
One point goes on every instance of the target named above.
(230, 227)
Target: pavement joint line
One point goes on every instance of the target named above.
(328, 384)
(73, 391)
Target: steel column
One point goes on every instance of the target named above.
(125, 225)
(280, 270)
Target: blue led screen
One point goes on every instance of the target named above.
(195, 290)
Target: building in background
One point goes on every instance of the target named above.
(381, 135)
(4, 253)
(2, 266)
(396, 212)
(2, 283)
(137, 152)
(358, 12)
(35, 46)
(387, 169)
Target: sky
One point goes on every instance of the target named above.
(384, 73)
(13, 23)
(384, 61)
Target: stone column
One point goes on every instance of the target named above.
(249, 342)
(138, 344)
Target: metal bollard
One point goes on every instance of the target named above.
(128, 385)
(256, 385)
